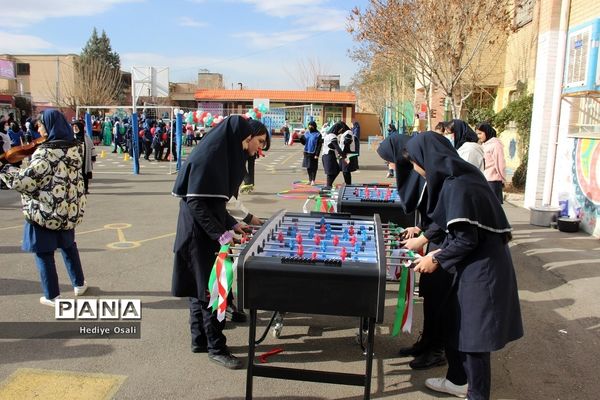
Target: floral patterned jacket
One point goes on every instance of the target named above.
(51, 186)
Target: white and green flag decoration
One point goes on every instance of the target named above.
(220, 282)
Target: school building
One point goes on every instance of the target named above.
(564, 149)
(295, 106)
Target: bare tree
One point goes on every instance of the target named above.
(95, 83)
(306, 72)
(444, 40)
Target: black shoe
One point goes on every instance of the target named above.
(415, 350)
(429, 359)
(227, 360)
(234, 315)
(199, 349)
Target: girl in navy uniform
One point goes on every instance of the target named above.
(211, 176)
(435, 287)
(312, 141)
(484, 312)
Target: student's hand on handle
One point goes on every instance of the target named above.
(240, 228)
(415, 244)
(255, 220)
(410, 232)
(425, 265)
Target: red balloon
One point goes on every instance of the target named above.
(258, 115)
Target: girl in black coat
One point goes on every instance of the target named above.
(332, 152)
(435, 287)
(211, 176)
(349, 157)
(484, 313)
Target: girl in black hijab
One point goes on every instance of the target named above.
(484, 305)
(332, 152)
(465, 142)
(434, 288)
(211, 176)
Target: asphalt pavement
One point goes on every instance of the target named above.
(126, 242)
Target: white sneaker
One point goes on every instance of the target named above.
(48, 302)
(80, 290)
(445, 386)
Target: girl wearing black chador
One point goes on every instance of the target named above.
(211, 176)
(349, 158)
(332, 152)
(483, 308)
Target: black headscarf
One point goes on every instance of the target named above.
(462, 132)
(487, 129)
(216, 166)
(339, 128)
(79, 135)
(57, 126)
(457, 191)
(410, 185)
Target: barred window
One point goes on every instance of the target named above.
(22, 68)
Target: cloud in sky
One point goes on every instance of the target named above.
(191, 22)
(26, 12)
(21, 44)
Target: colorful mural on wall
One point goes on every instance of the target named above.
(586, 181)
(511, 154)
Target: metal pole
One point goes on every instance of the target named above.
(179, 133)
(135, 140)
(88, 124)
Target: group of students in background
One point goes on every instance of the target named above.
(467, 279)
(338, 148)
(480, 147)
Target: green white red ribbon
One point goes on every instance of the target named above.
(220, 282)
(405, 304)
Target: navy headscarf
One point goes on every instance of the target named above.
(488, 130)
(216, 166)
(410, 185)
(57, 126)
(457, 191)
(462, 132)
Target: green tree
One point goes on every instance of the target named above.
(100, 48)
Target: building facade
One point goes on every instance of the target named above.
(564, 151)
(45, 80)
(297, 107)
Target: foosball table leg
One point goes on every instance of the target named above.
(369, 367)
(251, 349)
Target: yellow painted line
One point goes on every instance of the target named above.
(121, 235)
(92, 231)
(157, 237)
(287, 158)
(11, 227)
(29, 383)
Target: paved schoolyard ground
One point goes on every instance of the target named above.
(126, 244)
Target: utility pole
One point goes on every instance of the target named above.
(57, 80)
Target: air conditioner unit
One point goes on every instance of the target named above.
(582, 58)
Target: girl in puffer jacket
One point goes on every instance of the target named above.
(53, 198)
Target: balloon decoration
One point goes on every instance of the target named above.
(257, 112)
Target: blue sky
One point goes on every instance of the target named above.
(261, 43)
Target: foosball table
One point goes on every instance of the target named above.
(331, 264)
(370, 199)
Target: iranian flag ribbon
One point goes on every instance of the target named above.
(405, 304)
(220, 282)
